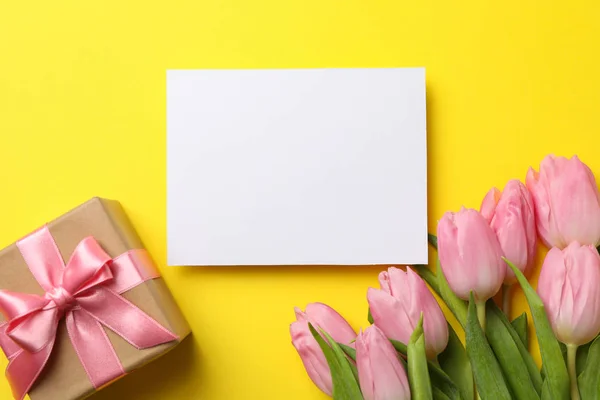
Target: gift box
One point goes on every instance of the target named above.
(83, 305)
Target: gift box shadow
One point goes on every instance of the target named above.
(159, 378)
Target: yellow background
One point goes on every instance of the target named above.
(82, 113)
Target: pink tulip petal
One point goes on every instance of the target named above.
(323, 317)
(545, 223)
(417, 290)
(450, 256)
(551, 282)
(482, 269)
(330, 321)
(567, 202)
(585, 269)
(300, 315)
(568, 287)
(576, 204)
(380, 372)
(434, 322)
(398, 282)
(384, 282)
(513, 221)
(312, 356)
(488, 206)
(363, 364)
(389, 315)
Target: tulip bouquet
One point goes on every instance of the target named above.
(411, 351)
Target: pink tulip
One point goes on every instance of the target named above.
(324, 317)
(470, 255)
(567, 203)
(569, 287)
(380, 373)
(511, 216)
(397, 308)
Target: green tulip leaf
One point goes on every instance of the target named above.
(563, 351)
(399, 346)
(442, 382)
(404, 363)
(370, 316)
(555, 369)
(487, 371)
(354, 372)
(520, 326)
(439, 378)
(455, 363)
(432, 239)
(546, 390)
(418, 372)
(509, 358)
(457, 305)
(582, 355)
(438, 394)
(349, 351)
(534, 373)
(345, 385)
(340, 354)
(589, 380)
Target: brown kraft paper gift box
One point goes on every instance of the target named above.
(64, 377)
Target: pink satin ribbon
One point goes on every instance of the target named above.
(86, 292)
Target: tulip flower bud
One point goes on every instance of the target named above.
(512, 218)
(566, 200)
(326, 318)
(569, 286)
(470, 255)
(380, 373)
(312, 356)
(397, 308)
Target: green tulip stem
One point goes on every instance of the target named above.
(572, 366)
(480, 305)
(506, 291)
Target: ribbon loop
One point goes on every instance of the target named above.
(36, 330)
(83, 291)
(87, 267)
(16, 305)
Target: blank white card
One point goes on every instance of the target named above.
(293, 167)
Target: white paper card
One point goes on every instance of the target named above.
(293, 167)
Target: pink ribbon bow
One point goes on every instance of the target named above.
(86, 292)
